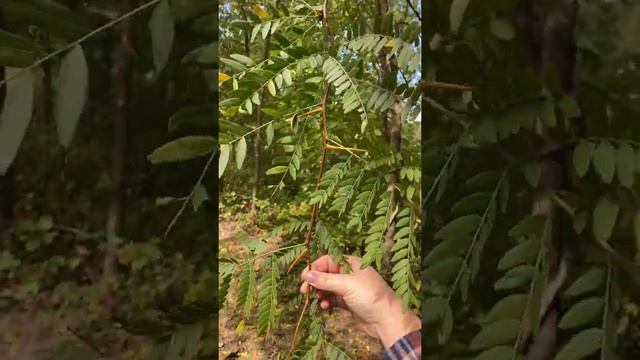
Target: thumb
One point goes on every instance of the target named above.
(339, 284)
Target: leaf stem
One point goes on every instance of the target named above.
(476, 235)
(605, 315)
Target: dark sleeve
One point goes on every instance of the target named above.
(409, 347)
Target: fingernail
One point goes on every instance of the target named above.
(311, 277)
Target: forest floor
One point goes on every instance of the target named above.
(340, 326)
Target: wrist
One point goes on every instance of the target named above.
(396, 323)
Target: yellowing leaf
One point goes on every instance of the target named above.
(222, 77)
(260, 11)
(391, 43)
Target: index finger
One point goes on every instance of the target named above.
(322, 264)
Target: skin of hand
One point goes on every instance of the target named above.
(365, 294)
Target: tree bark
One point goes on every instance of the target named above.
(392, 132)
(258, 141)
(121, 77)
(552, 51)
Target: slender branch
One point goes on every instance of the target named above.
(445, 86)
(79, 41)
(605, 313)
(314, 210)
(265, 254)
(516, 345)
(84, 340)
(414, 10)
(186, 201)
(476, 236)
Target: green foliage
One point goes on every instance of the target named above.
(362, 191)
(58, 71)
(522, 156)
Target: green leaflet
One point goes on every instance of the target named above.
(247, 289)
(458, 227)
(604, 161)
(185, 148)
(515, 278)
(276, 170)
(241, 152)
(523, 253)
(625, 165)
(16, 115)
(582, 313)
(530, 225)
(200, 195)
(71, 85)
(162, 34)
(581, 345)
(472, 203)
(269, 132)
(268, 298)
(443, 271)
(591, 280)
(497, 333)
(225, 151)
(510, 307)
(605, 215)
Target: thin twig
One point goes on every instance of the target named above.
(445, 86)
(79, 41)
(314, 210)
(267, 253)
(183, 207)
(414, 10)
(85, 341)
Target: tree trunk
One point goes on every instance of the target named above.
(391, 130)
(552, 50)
(258, 141)
(121, 77)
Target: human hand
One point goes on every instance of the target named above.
(365, 294)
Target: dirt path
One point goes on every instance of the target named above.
(340, 326)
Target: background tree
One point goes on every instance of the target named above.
(532, 162)
(335, 101)
(94, 259)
